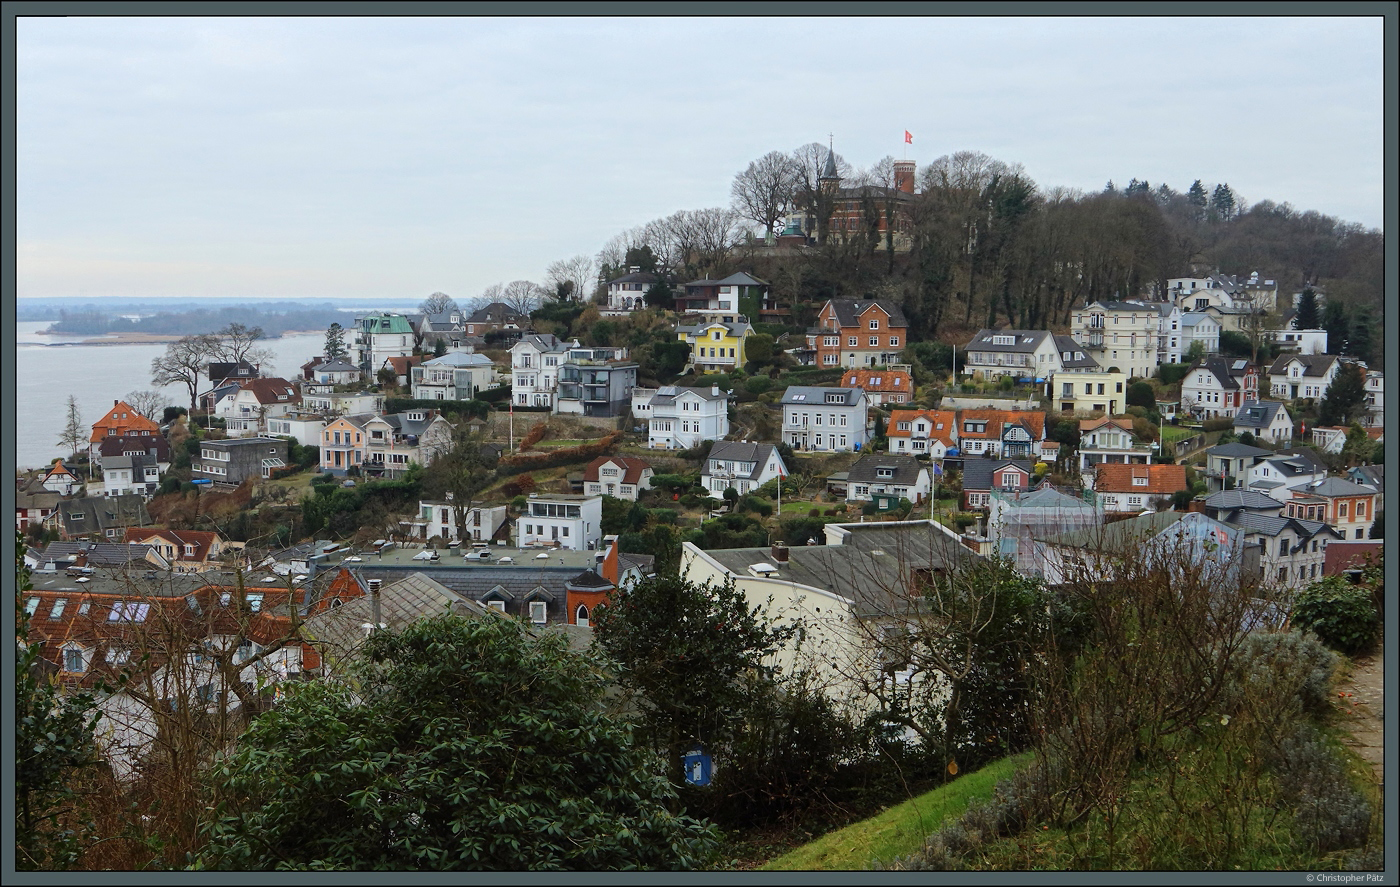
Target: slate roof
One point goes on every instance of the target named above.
(1121, 305)
(1370, 475)
(459, 359)
(808, 395)
(1230, 500)
(667, 394)
(734, 329)
(873, 568)
(1314, 365)
(1333, 487)
(849, 311)
(546, 342)
(339, 365)
(118, 445)
(977, 473)
(404, 425)
(1026, 341)
(866, 468)
(742, 451)
(1259, 414)
(1066, 344)
(1273, 525)
(103, 512)
(1161, 479)
(1217, 366)
(497, 312)
(1046, 496)
(740, 278)
(1237, 451)
(1118, 535)
(635, 277)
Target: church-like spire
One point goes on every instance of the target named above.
(829, 171)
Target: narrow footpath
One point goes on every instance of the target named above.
(1363, 710)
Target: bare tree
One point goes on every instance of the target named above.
(437, 303)
(811, 163)
(577, 276)
(237, 342)
(490, 295)
(184, 362)
(75, 433)
(150, 404)
(522, 296)
(764, 191)
(1255, 320)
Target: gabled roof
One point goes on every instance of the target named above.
(145, 443)
(1314, 365)
(947, 418)
(1025, 341)
(740, 278)
(1273, 525)
(269, 391)
(1237, 451)
(1230, 500)
(100, 513)
(545, 342)
(736, 329)
(1122, 424)
(849, 311)
(1122, 535)
(1218, 366)
(632, 468)
(378, 324)
(124, 419)
(1332, 487)
(497, 312)
(905, 469)
(339, 365)
(1370, 475)
(1121, 306)
(809, 395)
(401, 365)
(1161, 479)
(998, 421)
(202, 540)
(977, 473)
(1066, 345)
(1260, 414)
(742, 451)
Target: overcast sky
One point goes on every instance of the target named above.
(323, 157)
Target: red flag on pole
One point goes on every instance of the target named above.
(908, 137)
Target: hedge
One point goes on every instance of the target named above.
(519, 462)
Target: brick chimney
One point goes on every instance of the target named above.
(780, 552)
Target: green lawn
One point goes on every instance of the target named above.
(1174, 433)
(899, 830)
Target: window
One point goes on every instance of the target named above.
(874, 324)
(874, 341)
(1282, 547)
(118, 655)
(852, 341)
(128, 611)
(1342, 509)
(56, 612)
(255, 601)
(538, 612)
(894, 341)
(73, 660)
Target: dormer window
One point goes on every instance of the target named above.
(833, 397)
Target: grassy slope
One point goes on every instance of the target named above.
(899, 830)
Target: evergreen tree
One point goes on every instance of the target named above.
(1308, 317)
(1222, 201)
(1345, 398)
(1196, 196)
(335, 342)
(1362, 344)
(1338, 326)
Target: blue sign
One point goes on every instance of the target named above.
(857, 447)
(697, 766)
(201, 480)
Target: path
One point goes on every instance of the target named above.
(1365, 719)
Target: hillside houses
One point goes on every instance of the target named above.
(680, 418)
(1215, 386)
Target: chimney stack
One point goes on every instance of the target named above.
(780, 552)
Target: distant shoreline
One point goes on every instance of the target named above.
(148, 338)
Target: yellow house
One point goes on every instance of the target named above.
(1090, 392)
(716, 346)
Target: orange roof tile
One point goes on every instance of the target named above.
(1116, 478)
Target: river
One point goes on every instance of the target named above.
(49, 368)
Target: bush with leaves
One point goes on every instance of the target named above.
(1341, 614)
(458, 744)
(687, 653)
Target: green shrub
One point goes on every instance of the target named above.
(1281, 671)
(1222, 423)
(758, 385)
(1342, 615)
(1171, 373)
(1329, 813)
